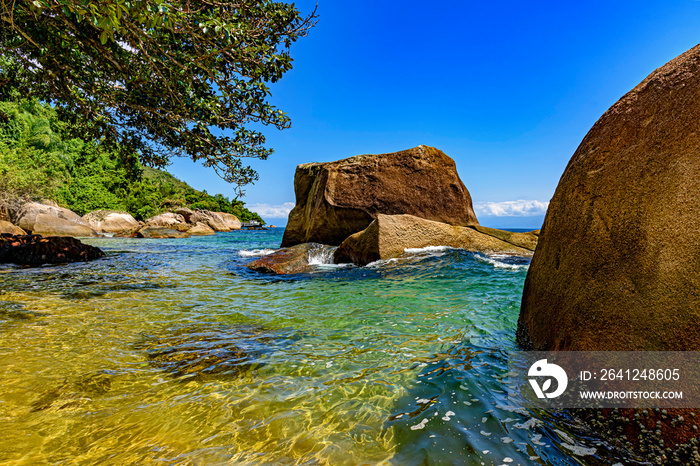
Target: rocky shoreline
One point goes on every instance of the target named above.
(44, 233)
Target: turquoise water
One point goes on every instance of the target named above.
(172, 352)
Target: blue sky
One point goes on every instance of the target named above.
(507, 89)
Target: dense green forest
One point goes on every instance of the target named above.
(37, 161)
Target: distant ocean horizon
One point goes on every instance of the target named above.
(503, 223)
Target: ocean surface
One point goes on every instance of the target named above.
(171, 352)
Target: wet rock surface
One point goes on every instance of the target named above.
(296, 259)
(34, 250)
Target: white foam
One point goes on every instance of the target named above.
(255, 252)
(493, 260)
(381, 263)
(428, 250)
(420, 425)
(322, 255)
(579, 450)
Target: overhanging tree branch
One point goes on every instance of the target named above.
(153, 76)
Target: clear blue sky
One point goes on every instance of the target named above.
(507, 89)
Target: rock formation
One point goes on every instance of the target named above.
(337, 199)
(200, 229)
(389, 235)
(231, 221)
(110, 221)
(34, 250)
(48, 225)
(215, 221)
(47, 219)
(7, 227)
(616, 267)
(617, 263)
(170, 220)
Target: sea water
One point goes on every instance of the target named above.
(173, 352)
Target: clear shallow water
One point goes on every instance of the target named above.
(172, 352)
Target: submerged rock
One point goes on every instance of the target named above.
(296, 259)
(74, 393)
(199, 350)
(337, 199)
(34, 250)
(389, 235)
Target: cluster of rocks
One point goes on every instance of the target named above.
(41, 233)
(375, 206)
(49, 219)
(183, 223)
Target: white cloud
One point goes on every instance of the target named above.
(519, 208)
(272, 211)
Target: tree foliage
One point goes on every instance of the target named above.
(39, 160)
(156, 77)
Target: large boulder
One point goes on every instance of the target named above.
(617, 264)
(231, 221)
(110, 221)
(337, 199)
(200, 229)
(388, 236)
(213, 219)
(7, 227)
(48, 225)
(27, 218)
(34, 250)
(169, 220)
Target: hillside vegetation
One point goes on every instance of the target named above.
(37, 161)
